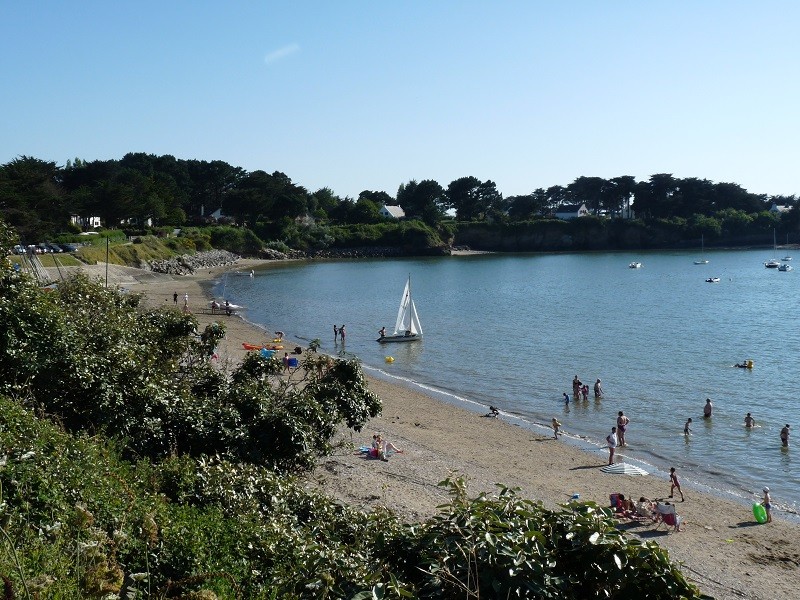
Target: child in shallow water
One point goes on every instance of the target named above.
(556, 426)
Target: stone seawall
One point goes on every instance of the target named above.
(187, 264)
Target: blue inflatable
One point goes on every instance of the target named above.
(267, 353)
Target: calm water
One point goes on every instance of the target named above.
(512, 330)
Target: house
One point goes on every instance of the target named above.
(571, 211)
(85, 222)
(392, 212)
(779, 209)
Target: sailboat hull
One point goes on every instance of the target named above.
(399, 338)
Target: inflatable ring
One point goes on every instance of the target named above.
(759, 512)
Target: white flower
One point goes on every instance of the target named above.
(138, 576)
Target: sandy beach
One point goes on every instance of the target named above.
(722, 549)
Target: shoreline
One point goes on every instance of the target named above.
(721, 548)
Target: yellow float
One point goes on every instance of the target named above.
(389, 359)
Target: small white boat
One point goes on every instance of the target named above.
(785, 267)
(635, 265)
(786, 258)
(712, 280)
(224, 306)
(407, 328)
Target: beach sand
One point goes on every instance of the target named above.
(721, 548)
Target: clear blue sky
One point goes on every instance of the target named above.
(368, 95)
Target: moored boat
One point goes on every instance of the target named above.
(407, 328)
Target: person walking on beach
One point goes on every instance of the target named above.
(785, 436)
(556, 426)
(285, 361)
(622, 425)
(749, 421)
(707, 409)
(175, 298)
(611, 440)
(673, 477)
(686, 429)
(767, 504)
(335, 333)
(598, 390)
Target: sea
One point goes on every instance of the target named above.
(512, 330)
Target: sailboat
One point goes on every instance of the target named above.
(407, 328)
(773, 263)
(702, 260)
(787, 257)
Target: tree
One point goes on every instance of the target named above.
(588, 190)
(472, 198)
(425, 200)
(617, 195)
(655, 198)
(526, 207)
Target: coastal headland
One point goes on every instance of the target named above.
(722, 549)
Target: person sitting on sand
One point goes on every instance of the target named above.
(493, 411)
(625, 507)
(381, 447)
(646, 508)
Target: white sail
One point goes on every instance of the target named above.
(407, 328)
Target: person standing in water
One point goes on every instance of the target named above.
(335, 333)
(622, 425)
(598, 390)
(749, 421)
(785, 436)
(341, 333)
(556, 426)
(686, 429)
(566, 399)
(707, 409)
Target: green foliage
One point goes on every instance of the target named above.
(238, 240)
(509, 547)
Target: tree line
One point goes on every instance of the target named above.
(38, 197)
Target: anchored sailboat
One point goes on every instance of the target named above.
(407, 328)
(702, 260)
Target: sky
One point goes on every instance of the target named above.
(356, 95)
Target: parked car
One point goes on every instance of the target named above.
(54, 248)
(69, 247)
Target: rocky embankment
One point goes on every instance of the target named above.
(189, 263)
